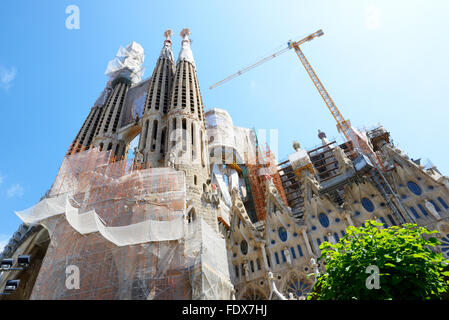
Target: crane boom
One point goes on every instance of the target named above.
(290, 45)
(343, 125)
(232, 76)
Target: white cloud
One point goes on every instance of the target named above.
(1, 179)
(15, 190)
(6, 77)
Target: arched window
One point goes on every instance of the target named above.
(297, 287)
(443, 203)
(336, 237)
(184, 135)
(423, 210)
(202, 149)
(191, 216)
(390, 217)
(163, 138)
(324, 220)
(145, 133)
(293, 252)
(276, 256)
(192, 133)
(154, 136)
(414, 188)
(415, 213)
(367, 204)
(437, 208)
(244, 247)
(282, 234)
(299, 250)
(384, 222)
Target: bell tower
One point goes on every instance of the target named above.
(153, 137)
(187, 148)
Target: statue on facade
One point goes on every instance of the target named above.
(138, 156)
(171, 160)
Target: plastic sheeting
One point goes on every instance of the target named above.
(46, 208)
(223, 135)
(126, 207)
(206, 249)
(220, 132)
(88, 222)
(144, 247)
(127, 63)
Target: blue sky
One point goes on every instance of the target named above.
(381, 61)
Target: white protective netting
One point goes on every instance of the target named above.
(167, 204)
(127, 63)
(126, 231)
(206, 251)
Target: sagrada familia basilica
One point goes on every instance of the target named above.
(203, 210)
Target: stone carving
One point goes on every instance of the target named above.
(138, 156)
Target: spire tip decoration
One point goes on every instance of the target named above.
(186, 53)
(167, 34)
(185, 33)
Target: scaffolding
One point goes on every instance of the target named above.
(263, 166)
(120, 226)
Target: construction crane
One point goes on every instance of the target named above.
(343, 125)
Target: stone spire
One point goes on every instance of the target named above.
(187, 146)
(166, 52)
(186, 52)
(106, 135)
(186, 94)
(153, 137)
(86, 134)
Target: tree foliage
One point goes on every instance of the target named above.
(408, 268)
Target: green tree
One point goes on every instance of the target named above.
(408, 268)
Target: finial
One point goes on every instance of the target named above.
(321, 134)
(185, 33)
(296, 145)
(167, 34)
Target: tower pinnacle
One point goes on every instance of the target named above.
(186, 52)
(166, 51)
(167, 34)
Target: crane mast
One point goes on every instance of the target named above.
(342, 124)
